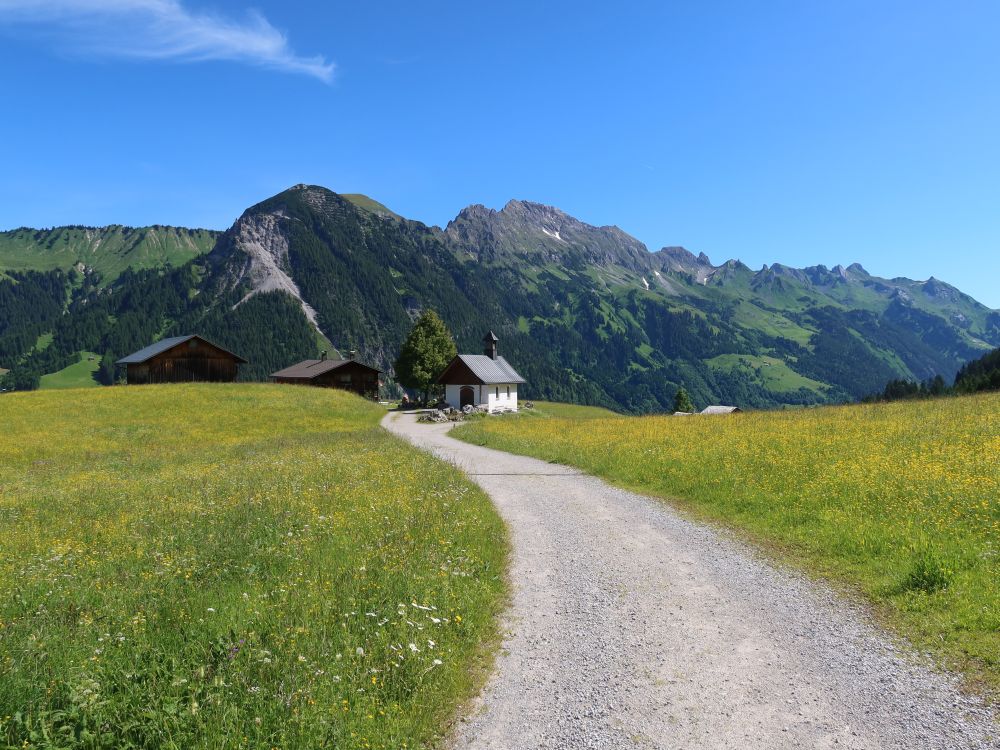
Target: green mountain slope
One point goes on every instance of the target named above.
(586, 313)
(106, 250)
(369, 204)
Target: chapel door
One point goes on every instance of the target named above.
(466, 396)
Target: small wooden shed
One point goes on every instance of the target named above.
(348, 374)
(182, 359)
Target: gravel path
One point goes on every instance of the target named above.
(633, 627)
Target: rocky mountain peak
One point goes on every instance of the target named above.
(734, 264)
(682, 260)
(532, 211)
(473, 212)
(820, 275)
(732, 271)
(940, 290)
(680, 255)
(315, 198)
(779, 271)
(317, 191)
(524, 229)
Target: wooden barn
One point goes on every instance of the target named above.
(348, 374)
(182, 359)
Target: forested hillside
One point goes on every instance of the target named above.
(982, 374)
(586, 313)
(146, 306)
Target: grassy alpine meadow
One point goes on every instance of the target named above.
(80, 374)
(900, 501)
(568, 411)
(230, 566)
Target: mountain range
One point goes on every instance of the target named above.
(587, 314)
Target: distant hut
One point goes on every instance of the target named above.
(347, 374)
(721, 410)
(182, 359)
(482, 380)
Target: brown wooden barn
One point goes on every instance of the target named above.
(182, 359)
(348, 374)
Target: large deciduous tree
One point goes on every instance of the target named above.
(426, 352)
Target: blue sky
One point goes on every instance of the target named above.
(797, 132)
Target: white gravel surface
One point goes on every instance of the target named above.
(633, 627)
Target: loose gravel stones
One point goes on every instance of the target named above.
(633, 627)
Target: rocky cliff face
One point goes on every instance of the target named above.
(254, 253)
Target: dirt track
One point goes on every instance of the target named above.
(633, 627)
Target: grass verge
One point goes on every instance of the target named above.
(900, 501)
(221, 566)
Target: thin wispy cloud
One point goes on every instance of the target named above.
(160, 30)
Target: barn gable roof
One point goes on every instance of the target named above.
(308, 369)
(163, 345)
(487, 370)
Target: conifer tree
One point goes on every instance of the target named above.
(682, 402)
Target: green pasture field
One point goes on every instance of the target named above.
(235, 566)
(567, 411)
(77, 375)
